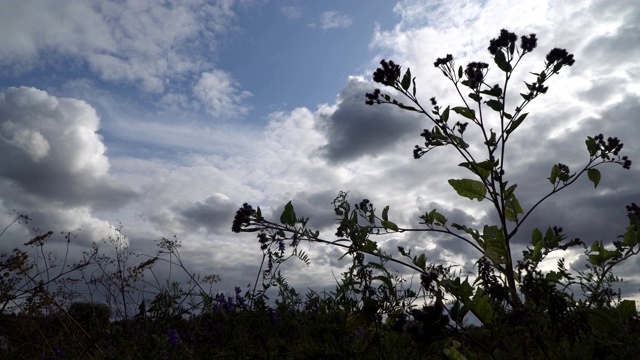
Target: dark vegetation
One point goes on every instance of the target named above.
(111, 305)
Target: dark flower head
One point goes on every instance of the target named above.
(443, 61)
(560, 56)
(388, 74)
(475, 73)
(528, 43)
(505, 40)
(243, 217)
(373, 98)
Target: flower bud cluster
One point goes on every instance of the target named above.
(559, 56)
(475, 73)
(528, 43)
(373, 98)
(243, 217)
(505, 40)
(388, 74)
(427, 279)
(611, 146)
(364, 205)
(443, 61)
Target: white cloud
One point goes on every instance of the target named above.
(55, 167)
(221, 95)
(332, 20)
(142, 42)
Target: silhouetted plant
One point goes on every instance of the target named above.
(526, 312)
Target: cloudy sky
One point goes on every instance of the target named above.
(165, 116)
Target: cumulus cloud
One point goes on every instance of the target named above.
(221, 95)
(55, 167)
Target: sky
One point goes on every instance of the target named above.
(163, 117)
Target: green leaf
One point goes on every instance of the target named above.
(414, 87)
(494, 246)
(385, 213)
(627, 309)
(514, 125)
(542, 77)
(482, 169)
(369, 246)
(473, 232)
(481, 307)
(501, 61)
(389, 225)
(421, 262)
(459, 142)
(554, 276)
(592, 147)
(471, 189)
(512, 208)
(406, 80)
(494, 91)
(631, 237)
(452, 353)
(536, 237)
(537, 252)
(555, 171)
(405, 107)
(495, 105)
(465, 111)
(510, 190)
(386, 281)
(458, 312)
(460, 71)
(594, 176)
(439, 218)
(288, 216)
(445, 115)
(492, 139)
(474, 97)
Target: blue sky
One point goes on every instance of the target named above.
(166, 116)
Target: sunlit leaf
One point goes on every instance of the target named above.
(471, 189)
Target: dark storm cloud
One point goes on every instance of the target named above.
(215, 214)
(619, 45)
(356, 130)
